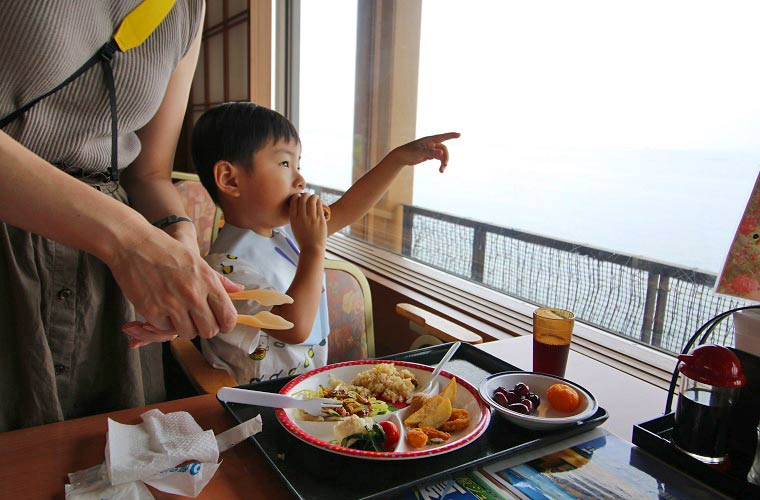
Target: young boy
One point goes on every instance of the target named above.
(274, 236)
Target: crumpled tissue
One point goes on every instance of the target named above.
(169, 452)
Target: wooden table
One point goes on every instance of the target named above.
(627, 399)
(35, 462)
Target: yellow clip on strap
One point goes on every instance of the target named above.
(141, 22)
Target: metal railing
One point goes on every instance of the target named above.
(658, 304)
(654, 303)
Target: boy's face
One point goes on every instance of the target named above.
(269, 185)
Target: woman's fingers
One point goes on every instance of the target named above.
(139, 331)
(220, 304)
(184, 324)
(229, 285)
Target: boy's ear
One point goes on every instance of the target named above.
(227, 177)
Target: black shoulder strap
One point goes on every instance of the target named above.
(26, 107)
(134, 29)
(104, 56)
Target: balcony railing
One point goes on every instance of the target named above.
(654, 303)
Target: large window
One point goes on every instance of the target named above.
(607, 149)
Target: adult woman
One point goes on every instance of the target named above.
(68, 239)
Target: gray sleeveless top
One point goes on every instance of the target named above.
(49, 40)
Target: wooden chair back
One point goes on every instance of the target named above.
(199, 207)
(349, 301)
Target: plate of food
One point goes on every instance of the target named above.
(382, 416)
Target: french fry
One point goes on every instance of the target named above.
(415, 418)
(450, 392)
(433, 413)
(438, 415)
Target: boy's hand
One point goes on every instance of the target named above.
(426, 148)
(307, 219)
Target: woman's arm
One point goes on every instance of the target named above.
(148, 179)
(368, 190)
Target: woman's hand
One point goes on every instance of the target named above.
(426, 148)
(307, 220)
(174, 289)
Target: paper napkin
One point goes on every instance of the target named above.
(169, 452)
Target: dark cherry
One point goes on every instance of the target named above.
(512, 397)
(501, 389)
(519, 408)
(528, 403)
(501, 399)
(522, 389)
(535, 399)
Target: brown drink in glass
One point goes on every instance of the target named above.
(552, 331)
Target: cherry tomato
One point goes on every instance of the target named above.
(391, 434)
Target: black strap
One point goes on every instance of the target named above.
(104, 55)
(171, 219)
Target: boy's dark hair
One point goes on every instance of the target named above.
(234, 132)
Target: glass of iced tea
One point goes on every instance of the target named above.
(552, 330)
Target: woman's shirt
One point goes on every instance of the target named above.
(44, 41)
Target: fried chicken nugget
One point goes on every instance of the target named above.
(459, 419)
(433, 433)
(416, 438)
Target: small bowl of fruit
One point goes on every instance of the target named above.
(537, 400)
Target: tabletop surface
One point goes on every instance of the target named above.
(35, 462)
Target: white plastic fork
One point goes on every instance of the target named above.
(314, 406)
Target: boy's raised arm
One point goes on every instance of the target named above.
(368, 190)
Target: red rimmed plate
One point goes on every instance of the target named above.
(320, 434)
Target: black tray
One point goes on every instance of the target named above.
(730, 478)
(312, 473)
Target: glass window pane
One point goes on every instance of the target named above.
(326, 91)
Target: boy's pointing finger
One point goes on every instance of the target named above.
(445, 137)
